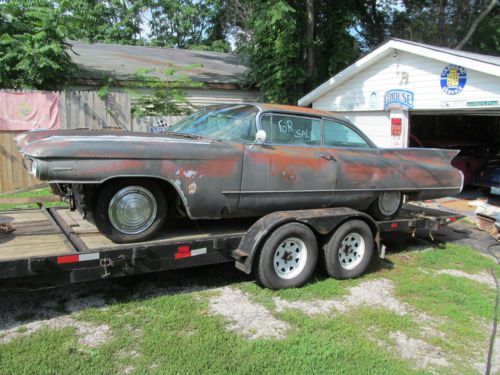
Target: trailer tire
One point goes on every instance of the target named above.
(132, 197)
(288, 257)
(349, 251)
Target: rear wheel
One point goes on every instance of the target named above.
(387, 205)
(349, 251)
(130, 211)
(288, 257)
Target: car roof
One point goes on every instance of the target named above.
(292, 109)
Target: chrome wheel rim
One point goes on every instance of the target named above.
(132, 210)
(351, 251)
(388, 202)
(290, 258)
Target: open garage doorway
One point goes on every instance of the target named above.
(476, 135)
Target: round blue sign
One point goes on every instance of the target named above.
(453, 79)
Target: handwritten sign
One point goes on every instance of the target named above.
(287, 127)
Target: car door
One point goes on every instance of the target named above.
(358, 162)
(291, 170)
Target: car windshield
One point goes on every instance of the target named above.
(233, 123)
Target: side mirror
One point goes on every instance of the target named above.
(260, 137)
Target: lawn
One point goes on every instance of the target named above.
(42, 193)
(416, 317)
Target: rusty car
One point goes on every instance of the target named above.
(228, 161)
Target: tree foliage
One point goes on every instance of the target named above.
(278, 52)
(33, 47)
(290, 46)
(437, 22)
(168, 96)
(107, 21)
(187, 24)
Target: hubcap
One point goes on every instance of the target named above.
(290, 258)
(351, 251)
(132, 210)
(388, 202)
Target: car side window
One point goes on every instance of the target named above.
(293, 130)
(340, 135)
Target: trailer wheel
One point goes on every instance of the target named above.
(130, 211)
(288, 257)
(349, 251)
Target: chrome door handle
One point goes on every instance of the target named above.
(330, 158)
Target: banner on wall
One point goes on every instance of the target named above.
(29, 110)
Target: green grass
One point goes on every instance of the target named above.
(44, 192)
(177, 334)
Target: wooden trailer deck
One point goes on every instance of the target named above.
(58, 231)
(35, 234)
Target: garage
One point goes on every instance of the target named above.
(408, 94)
(476, 135)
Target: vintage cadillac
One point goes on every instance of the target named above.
(225, 161)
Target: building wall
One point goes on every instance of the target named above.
(361, 99)
(421, 75)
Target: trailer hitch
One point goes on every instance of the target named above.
(106, 263)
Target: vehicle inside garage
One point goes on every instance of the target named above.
(476, 135)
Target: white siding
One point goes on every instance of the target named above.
(365, 91)
(376, 125)
(199, 97)
(204, 97)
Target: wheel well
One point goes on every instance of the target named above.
(175, 203)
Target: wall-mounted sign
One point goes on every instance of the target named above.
(396, 126)
(484, 103)
(453, 79)
(398, 99)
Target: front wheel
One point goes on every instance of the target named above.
(288, 257)
(130, 211)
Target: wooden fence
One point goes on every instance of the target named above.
(78, 109)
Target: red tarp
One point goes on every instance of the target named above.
(29, 110)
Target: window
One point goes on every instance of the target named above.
(292, 130)
(340, 135)
(233, 123)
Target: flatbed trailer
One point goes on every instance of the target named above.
(57, 242)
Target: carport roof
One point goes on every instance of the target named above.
(99, 60)
(475, 61)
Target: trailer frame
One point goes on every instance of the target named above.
(237, 244)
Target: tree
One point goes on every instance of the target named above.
(168, 97)
(187, 24)
(476, 23)
(471, 24)
(275, 52)
(291, 46)
(33, 47)
(107, 21)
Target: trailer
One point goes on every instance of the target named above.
(282, 248)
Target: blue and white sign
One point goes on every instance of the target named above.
(398, 99)
(453, 79)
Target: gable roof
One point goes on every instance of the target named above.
(99, 60)
(474, 61)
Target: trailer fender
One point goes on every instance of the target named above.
(323, 221)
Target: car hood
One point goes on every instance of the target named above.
(87, 144)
